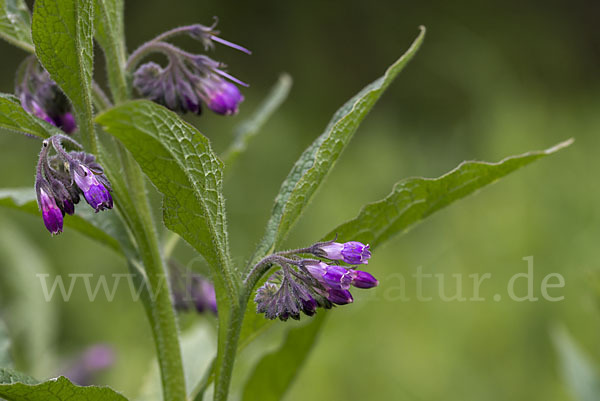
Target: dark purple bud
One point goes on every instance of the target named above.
(51, 213)
(66, 122)
(362, 279)
(95, 193)
(340, 297)
(353, 252)
(68, 207)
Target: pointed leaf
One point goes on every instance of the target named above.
(63, 37)
(319, 158)
(180, 163)
(15, 24)
(414, 199)
(59, 389)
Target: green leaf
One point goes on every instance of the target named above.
(276, 371)
(579, 373)
(180, 163)
(414, 199)
(59, 389)
(9, 376)
(98, 226)
(5, 346)
(110, 35)
(64, 43)
(319, 158)
(251, 127)
(15, 24)
(14, 118)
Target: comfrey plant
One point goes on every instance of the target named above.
(105, 147)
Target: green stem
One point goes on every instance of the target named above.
(227, 359)
(159, 308)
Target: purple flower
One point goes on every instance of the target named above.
(353, 252)
(84, 368)
(189, 79)
(340, 297)
(95, 192)
(51, 213)
(40, 96)
(336, 277)
(362, 279)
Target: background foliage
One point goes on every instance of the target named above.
(491, 80)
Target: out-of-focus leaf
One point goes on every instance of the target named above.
(15, 24)
(276, 371)
(319, 158)
(198, 348)
(414, 199)
(110, 36)
(59, 389)
(251, 127)
(100, 227)
(14, 118)
(63, 34)
(579, 373)
(33, 320)
(5, 346)
(9, 376)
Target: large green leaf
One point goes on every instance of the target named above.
(101, 227)
(110, 35)
(15, 24)
(578, 371)
(280, 368)
(414, 199)
(59, 389)
(319, 158)
(251, 127)
(5, 346)
(180, 163)
(14, 118)
(64, 43)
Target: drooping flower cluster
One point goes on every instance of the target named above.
(191, 290)
(61, 179)
(41, 96)
(189, 79)
(303, 285)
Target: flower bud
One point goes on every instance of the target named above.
(51, 213)
(362, 279)
(353, 252)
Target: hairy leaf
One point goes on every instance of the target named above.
(63, 36)
(251, 127)
(180, 163)
(579, 373)
(414, 199)
(59, 389)
(15, 24)
(14, 118)
(319, 158)
(100, 227)
(276, 371)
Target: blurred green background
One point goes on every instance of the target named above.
(492, 79)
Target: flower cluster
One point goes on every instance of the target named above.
(189, 79)
(61, 179)
(303, 285)
(40, 96)
(191, 290)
